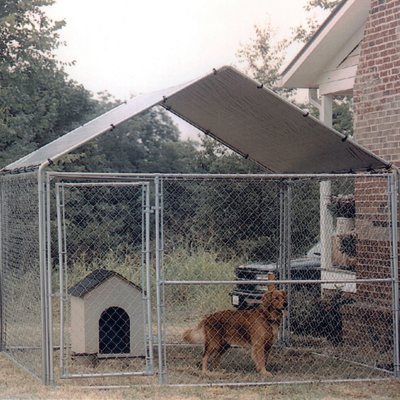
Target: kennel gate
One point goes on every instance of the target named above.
(87, 341)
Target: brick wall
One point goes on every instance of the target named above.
(373, 235)
(377, 127)
(377, 84)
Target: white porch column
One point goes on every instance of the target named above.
(326, 219)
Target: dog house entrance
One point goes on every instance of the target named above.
(114, 331)
(104, 275)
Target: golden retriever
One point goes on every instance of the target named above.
(255, 328)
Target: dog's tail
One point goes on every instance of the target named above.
(194, 335)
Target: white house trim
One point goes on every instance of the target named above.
(338, 36)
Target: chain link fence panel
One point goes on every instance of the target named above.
(20, 271)
(218, 230)
(217, 241)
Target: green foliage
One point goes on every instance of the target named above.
(303, 33)
(147, 143)
(200, 264)
(324, 4)
(197, 265)
(236, 218)
(128, 265)
(213, 157)
(348, 244)
(262, 58)
(28, 36)
(342, 117)
(343, 206)
(38, 102)
(305, 229)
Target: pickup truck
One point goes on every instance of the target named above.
(245, 296)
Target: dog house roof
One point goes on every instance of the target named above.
(93, 280)
(238, 112)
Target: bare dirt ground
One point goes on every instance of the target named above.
(16, 384)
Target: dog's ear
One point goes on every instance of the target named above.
(266, 299)
(271, 277)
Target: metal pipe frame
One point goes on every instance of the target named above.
(49, 283)
(279, 281)
(241, 384)
(149, 345)
(161, 370)
(101, 184)
(2, 325)
(93, 175)
(61, 254)
(393, 199)
(358, 364)
(43, 274)
(285, 240)
(106, 374)
(163, 324)
(143, 278)
(266, 383)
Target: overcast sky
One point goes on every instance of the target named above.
(129, 47)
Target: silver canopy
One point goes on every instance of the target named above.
(238, 112)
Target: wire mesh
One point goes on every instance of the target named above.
(227, 229)
(20, 271)
(319, 233)
(103, 247)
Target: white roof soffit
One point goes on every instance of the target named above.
(235, 110)
(333, 35)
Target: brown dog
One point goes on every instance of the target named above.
(256, 328)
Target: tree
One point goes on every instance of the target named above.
(303, 33)
(38, 101)
(213, 157)
(148, 143)
(262, 58)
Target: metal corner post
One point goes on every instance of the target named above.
(2, 325)
(285, 250)
(43, 274)
(148, 277)
(49, 282)
(61, 260)
(393, 197)
(159, 296)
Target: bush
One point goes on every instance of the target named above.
(348, 244)
(311, 315)
(343, 206)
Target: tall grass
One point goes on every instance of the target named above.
(181, 264)
(198, 264)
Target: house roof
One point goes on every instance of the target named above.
(93, 280)
(238, 112)
(339, 33)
